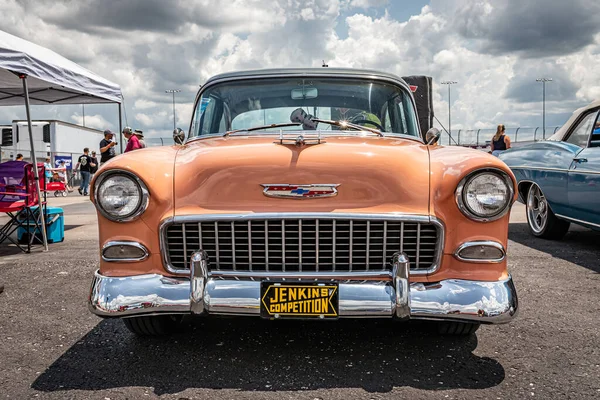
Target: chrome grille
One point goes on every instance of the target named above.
(302, 244)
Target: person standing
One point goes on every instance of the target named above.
(19, 157)
(500, 142)
(84, 165)
(94, 169)
(140, 136)
(107, 147)
(48, 170)
(133, 143)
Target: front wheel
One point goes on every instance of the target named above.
(156, 325)
(451, 328)
(540, 218)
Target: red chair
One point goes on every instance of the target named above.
(20, 202)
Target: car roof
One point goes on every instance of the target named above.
(323, 71)
(560, 134)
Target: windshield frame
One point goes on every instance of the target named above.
(370, 76)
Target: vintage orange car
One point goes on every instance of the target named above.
(304, 193)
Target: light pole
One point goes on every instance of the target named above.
(173, 91)
(544, 80)
(449, 83)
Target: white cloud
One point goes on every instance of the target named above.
(181, 44)
(367, 3)
(92, 121)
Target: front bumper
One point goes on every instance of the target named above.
(391, 296)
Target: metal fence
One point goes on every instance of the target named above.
(460, 137)
(483, 137)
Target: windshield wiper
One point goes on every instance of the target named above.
(346, 124)
(258, 128)
(341, 124)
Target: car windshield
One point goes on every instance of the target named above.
(252, 103)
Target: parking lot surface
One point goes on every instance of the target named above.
(51, 346)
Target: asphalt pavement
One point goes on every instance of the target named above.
(51, 346)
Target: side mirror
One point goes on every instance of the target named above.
(432, 136)
(178, 136)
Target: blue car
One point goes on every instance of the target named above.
(559, 179)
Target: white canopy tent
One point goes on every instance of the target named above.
(31, 74)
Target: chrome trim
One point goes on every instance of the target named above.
(578, 221)
(584, 171)
(400, 272)
(382, 275)
(144, 201)
(453, 299)
(476, 243)
(110, 244)
(372, 76)
(198, 278)
(333, 186)
(539, 168)
(181, 219)
(458, 195)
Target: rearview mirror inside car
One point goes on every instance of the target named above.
(304, 93)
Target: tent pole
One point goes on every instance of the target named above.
(34, 162)
(120, 129)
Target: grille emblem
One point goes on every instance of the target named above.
(300, 191)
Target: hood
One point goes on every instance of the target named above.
(374, 174)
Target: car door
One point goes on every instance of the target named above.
(584, 172)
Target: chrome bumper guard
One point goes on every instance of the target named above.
(394, 296)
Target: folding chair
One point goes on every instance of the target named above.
(20, 202)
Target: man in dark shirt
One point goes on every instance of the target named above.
(93, 170)
(107, 147)
(84, 165)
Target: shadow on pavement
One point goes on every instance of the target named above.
(579, 246)
(250, 354)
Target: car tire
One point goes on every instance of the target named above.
(156, 325)
(448, 328)
(541, 220)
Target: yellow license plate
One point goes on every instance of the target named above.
(299, 300)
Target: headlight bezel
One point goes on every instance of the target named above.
(144, 193)
(463, 206)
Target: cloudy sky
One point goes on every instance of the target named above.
(494, 50)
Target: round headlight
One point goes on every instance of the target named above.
(120, 196)
(485, 195)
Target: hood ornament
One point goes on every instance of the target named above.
(311, 191)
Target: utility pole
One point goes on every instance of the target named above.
(544, 80)
(173, 91)
(449, 83)
(83, 113)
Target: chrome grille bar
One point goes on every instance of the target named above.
(184, 242)
(233, 245)
(283, 245)
(418, 242)
(300, 244)
(351, 242)
(218, 253)
(368, 243)
(334, 244)
(250, 245)
(384, 243)
(266, 245)
(317, 245)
